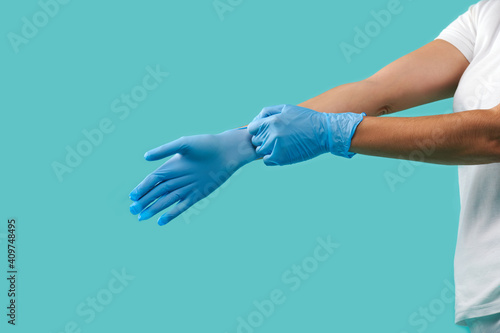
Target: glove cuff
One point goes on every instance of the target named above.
(341, 129)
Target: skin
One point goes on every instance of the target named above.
(428, 74)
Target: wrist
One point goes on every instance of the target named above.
(240, 141)
(340, 130)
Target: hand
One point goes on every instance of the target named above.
(287, 134)
(200, 165)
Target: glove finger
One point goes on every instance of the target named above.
(167, 171)
(269, 161)
(269, 111)
(166, 150)
(266, 148)
(147, 184)
(259, 139)
(256, 126)
(177, 210)
(278, 156)
(159, 190)
(164, 202)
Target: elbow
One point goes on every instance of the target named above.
(385, 109)
(378, 92)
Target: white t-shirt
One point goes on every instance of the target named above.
(476, 34)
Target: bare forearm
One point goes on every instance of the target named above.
(428, 74)
(373, 97)
(357, 97)
(470, 137)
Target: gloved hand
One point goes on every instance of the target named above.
(200, 165)
(287, 134)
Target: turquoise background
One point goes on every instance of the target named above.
(396, 247)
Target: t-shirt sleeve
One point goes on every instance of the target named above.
(461, 33)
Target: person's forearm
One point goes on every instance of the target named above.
(428, 74)
(470, 137)
(357, 97)
(374, 96)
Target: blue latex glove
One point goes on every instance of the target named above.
(287, 134)
(200, 165)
